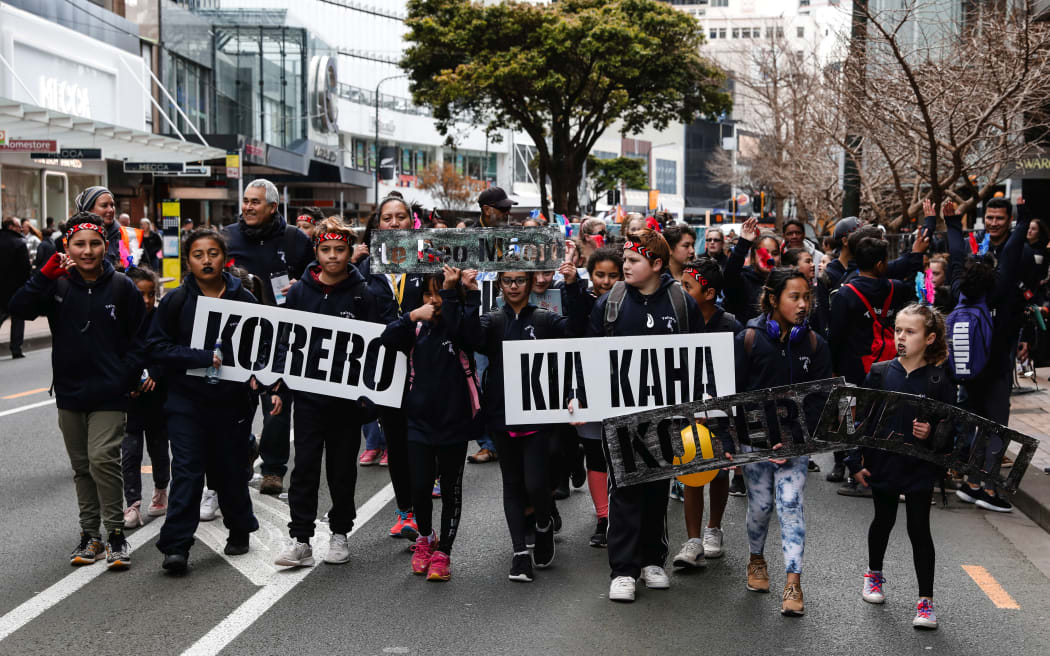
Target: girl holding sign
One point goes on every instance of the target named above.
(209, 425)
(326, 425)
(778, 348)
(96, 315)
(441, 406)
(523, 450)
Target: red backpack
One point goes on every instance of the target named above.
(883, 342)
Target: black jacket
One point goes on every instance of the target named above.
(168, 343)
(113, 239)
(775, 363)
(850, 328)
(893, 471)
(97, 333)
(743, 284)
(43, 253)
(151, 245)
(485, 333)
(383, 291)
(14, 265)
(638, 311)
(437, 403)
(723, 322)
(266, 250)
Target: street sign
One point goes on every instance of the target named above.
(30, 145)
(171, 236)
(233, 165)
(70, 153)
(195, 171)
(159, 168)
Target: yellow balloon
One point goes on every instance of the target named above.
(698, 479)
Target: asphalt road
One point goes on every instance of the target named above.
(374, 605)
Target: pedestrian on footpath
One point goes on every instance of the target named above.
(146, 424)
(97, 319)
(778, 348)
(14, 272)
(647, 302)
(265, 245)
(442, 408)
(702, 280)
(921, 348)
(325, 425)
(395, 294)
(209, 420)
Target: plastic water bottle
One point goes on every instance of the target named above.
(212, 373)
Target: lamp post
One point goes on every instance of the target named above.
(376, 171)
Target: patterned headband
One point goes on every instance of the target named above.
(641, 250)
(330, 236)
(305, 217)
(690, 271)
(86, 226)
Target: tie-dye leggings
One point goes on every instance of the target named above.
(784, 485)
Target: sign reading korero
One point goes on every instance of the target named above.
(30, 145)
(311, 352)
(484, 249)
(154, 167)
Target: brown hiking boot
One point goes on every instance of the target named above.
(271, 484)
(757, 574)
(793, 606)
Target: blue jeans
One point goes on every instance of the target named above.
(374, 438)
(482, 363)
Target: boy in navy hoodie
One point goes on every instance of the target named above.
(96, 317)
(638, 513)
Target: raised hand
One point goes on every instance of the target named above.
(470, 279)
(749, 230)
(452, 276)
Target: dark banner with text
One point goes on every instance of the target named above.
(484, 249)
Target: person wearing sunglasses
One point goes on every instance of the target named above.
(714, 245)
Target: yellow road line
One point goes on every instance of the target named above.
(987, 583)
(147, 469)
(21, 394)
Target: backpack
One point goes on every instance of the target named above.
(969, 329)
(468, 371)
(619, 291)
(883, 342)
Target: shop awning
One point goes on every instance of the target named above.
(22, 120)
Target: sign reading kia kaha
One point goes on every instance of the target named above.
(311, 352)
(607, 376)
(484, 249)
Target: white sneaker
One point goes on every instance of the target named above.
(621, 589)
(873, 592)
(295, 554)
(691, 555)
(655, 577)
(713, 542)
(209, 505)
(925, 618)
(338, 550)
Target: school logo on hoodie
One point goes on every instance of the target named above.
(112, 311)
(671, 322)
(530, 332)
(804, 360)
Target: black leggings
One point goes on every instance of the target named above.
(524, 463)
(592, 449)
(395, 430)
(426, 462)
(917, 507)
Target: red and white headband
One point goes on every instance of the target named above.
(690, 271)
(638, 248)
(330, 236)
(86, 226)
(305, 217)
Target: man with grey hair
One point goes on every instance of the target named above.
(263, 243)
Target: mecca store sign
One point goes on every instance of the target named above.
(71, 73)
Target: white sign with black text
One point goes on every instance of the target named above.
(611, 376)
(314, 353)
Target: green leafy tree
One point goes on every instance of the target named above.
(607, 174)
(562, 73)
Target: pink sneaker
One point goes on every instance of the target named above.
(440, 567)
(369, 457)
(383, 462)
(159, 504)
(133, 516)
(424, 551)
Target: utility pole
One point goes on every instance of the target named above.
(376, 171)
(857, 63)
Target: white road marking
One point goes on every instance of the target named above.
(78, 578)
(280, 584)
(14, 411)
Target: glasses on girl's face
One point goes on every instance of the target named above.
(713, 241)
(515, 282)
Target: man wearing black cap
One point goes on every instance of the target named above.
(495, 207)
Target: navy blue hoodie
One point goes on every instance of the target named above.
(383, 291)
(97, 331)
(437, 403)
(743, 284)
(481, 334)
(637, 308)
(168, 343)
(894, 471)
(349, 299)
(261, 250)
(850, 330)
(778, 362)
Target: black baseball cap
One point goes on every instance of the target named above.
(495, 197)
(845, 227)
